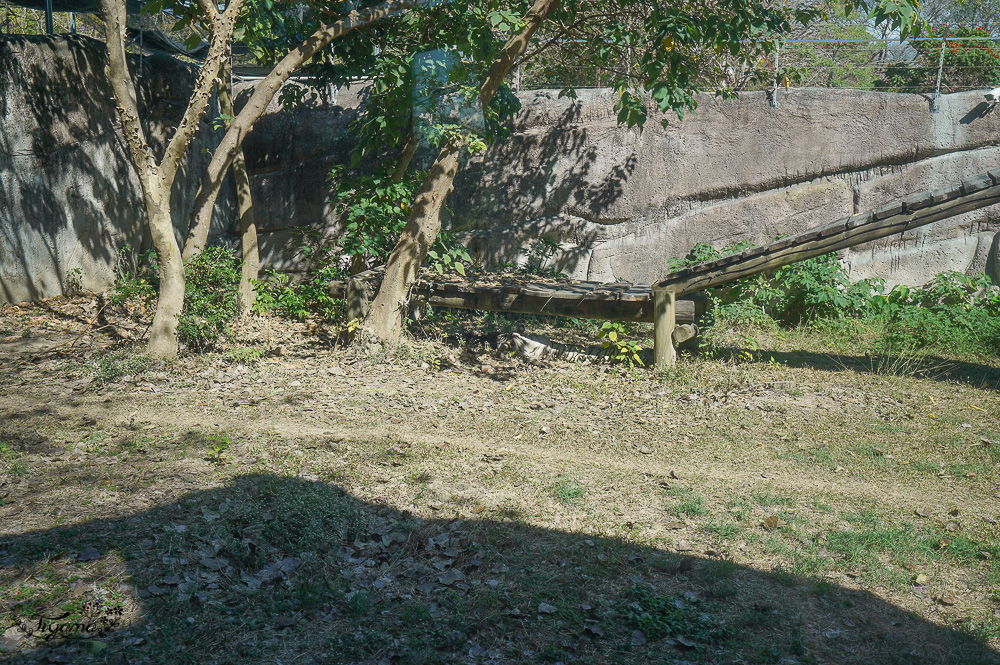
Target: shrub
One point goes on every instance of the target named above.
(209, 297)
(954, 312)
(311, 295)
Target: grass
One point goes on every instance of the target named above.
(567, 491)
(443, 529)
(685, 502)
(112, 366)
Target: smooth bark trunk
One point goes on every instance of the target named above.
(157, 179)
(246, 293)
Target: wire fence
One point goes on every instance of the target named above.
(950, 59)
(946, 61)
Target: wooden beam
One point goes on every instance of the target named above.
(664, 323)
(614, 302)
(918, 210)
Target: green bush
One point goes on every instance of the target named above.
(212, 278)
(954, 312)
(310, 296)
(374, 209)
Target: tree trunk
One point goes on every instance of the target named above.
(245, 294)
(385, 318)
(170, 300)
(406, 156)
(155, 179)
(211, 183)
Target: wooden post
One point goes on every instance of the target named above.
(664, 322)
(359, 299)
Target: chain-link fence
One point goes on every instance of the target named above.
(949, 59)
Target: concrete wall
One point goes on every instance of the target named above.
(621, 202)
(69, 197)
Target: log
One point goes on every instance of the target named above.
(843, 233)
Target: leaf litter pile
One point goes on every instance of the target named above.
(310, 505)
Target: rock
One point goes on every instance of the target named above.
(545, 608)
(88, 554)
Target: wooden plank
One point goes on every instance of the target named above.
(889, 210)
(948, 193)
(798, 248)
(919, 200)
(976, 183)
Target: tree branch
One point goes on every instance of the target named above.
(222, 31)
(513, 49)
(201, 214)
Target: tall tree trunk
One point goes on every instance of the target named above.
(245, 294)
(384, 321)
(406, 156)
(155, 179)
(211, 183)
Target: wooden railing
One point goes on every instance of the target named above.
(918, 210)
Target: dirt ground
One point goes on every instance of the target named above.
(768, 507)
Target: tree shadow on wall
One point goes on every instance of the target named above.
(69, 197)
(559, 175)
(281, 569)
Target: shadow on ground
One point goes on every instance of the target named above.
(277, 569)
(983, 377)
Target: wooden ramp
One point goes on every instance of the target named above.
(670, 303)
(918, 210)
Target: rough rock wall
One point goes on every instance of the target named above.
(69, 196)
(621, 202)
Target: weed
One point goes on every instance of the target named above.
(11, 459)
(567, 490)
(769, 499)
(687, 502)
(244, 355)
(116, 364)
(615, 338)
(660, 615)
(359, 604)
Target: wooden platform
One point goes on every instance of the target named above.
(524, 294)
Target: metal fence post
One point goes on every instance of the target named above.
(937, 86)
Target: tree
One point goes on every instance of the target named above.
(201, 213)
(157, 178)
(654, 48)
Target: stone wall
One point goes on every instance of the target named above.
(621, 202)
(69, 197)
